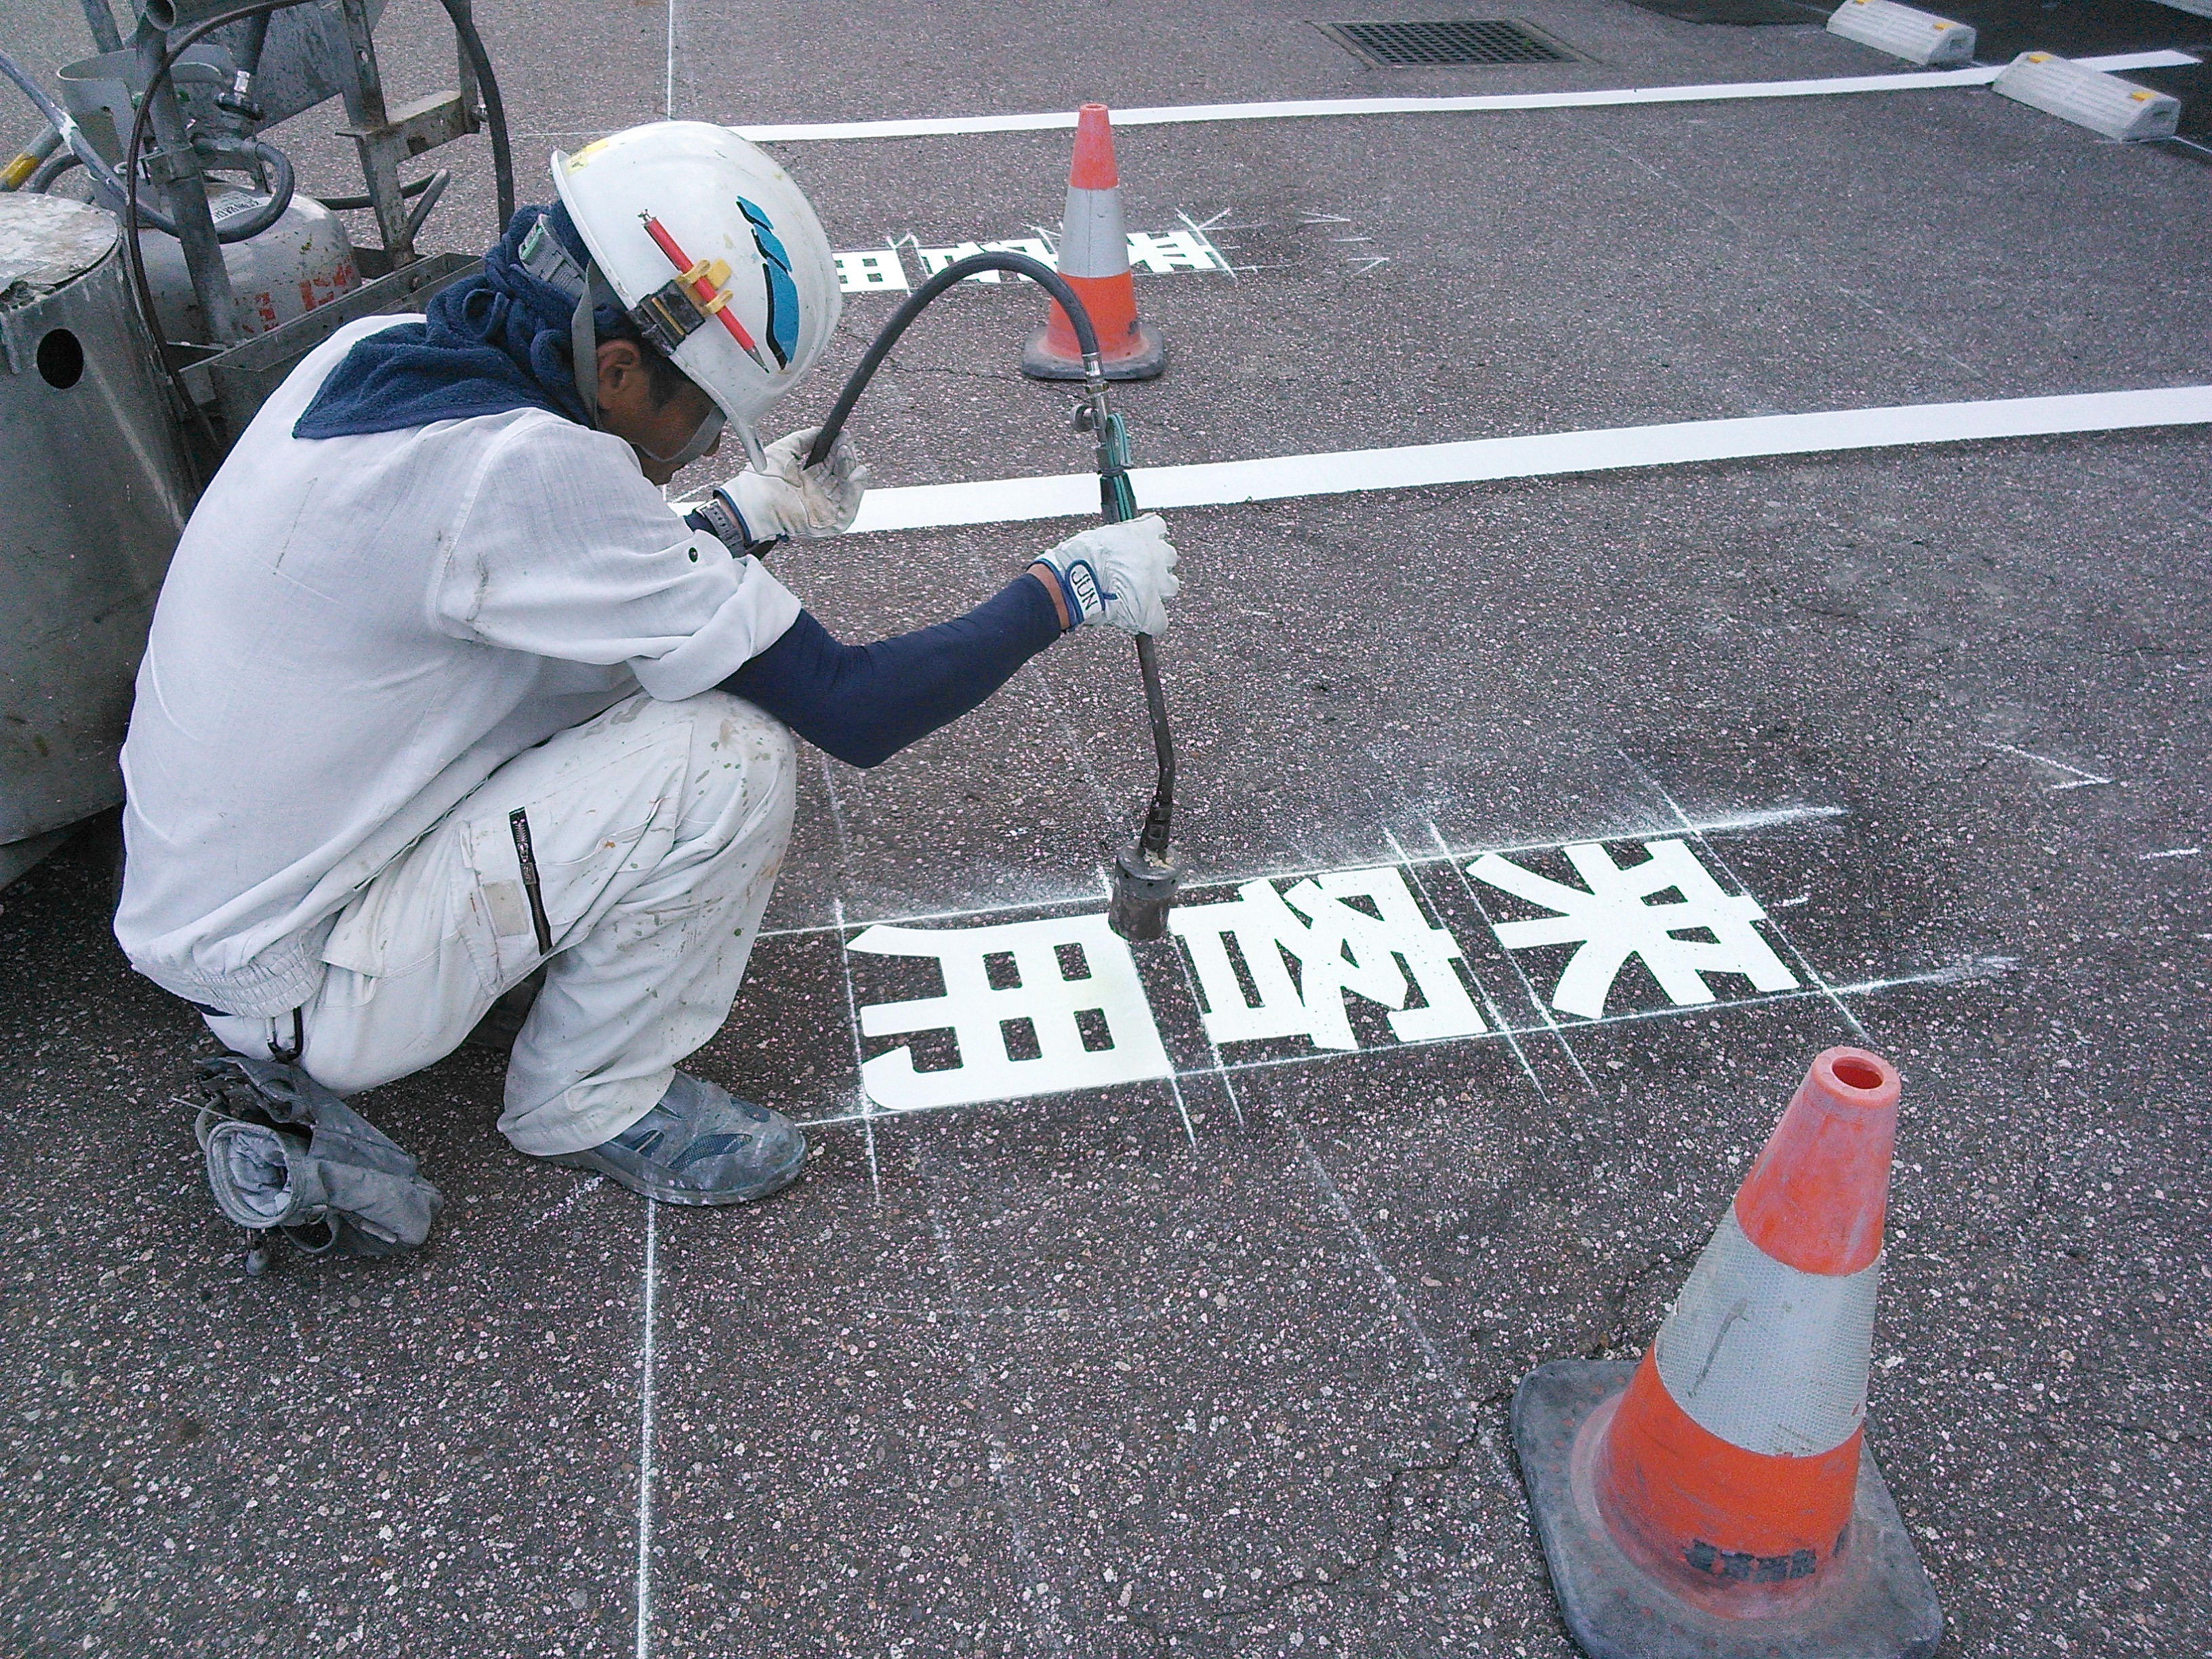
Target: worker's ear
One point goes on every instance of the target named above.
(622, 371)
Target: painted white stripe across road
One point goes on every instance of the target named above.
(1075, 494)
(1295, 108)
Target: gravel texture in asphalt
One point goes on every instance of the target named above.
(1219, 1363)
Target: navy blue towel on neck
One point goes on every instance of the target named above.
(491, 342)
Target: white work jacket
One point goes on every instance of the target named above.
(355, 632)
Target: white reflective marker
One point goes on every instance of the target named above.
(1765, 1355)
(1301, 108)
(2104, 103)
(1282, 478)
(1919, 37)
(1043, 996)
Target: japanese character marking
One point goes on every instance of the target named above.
(1337, 947)
(1612, 921)
(1174, 250)
(934, 259)
(1043, 997)
(879, 269)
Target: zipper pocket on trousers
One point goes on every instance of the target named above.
(518, 821)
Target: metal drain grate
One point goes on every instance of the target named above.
(1422, 46)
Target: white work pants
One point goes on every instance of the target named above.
(658, 829)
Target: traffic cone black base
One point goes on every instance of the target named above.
(1041, 363)
(1875, 1602)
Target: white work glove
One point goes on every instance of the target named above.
(792, 498)
(1121, 575)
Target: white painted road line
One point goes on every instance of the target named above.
(1075, 494)
(1292, 109)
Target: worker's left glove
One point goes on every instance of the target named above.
(792, 498)
(1121, 575)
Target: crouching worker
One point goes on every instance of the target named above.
(440, 691)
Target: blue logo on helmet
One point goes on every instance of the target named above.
(782, 335)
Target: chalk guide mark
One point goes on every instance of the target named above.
(2077, 778)
(645, 1398)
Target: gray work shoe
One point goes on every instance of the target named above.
(700, 1145)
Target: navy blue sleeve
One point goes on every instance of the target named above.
(863, 703)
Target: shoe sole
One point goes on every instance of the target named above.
(775, 1182)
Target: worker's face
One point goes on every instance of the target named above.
(627, 409)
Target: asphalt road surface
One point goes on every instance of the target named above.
(1215, 1358)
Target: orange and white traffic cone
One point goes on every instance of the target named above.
(1717, 1498)
(1094, 256)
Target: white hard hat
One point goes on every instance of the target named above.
(714, 251)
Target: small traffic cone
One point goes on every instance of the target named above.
(1717, 1498)
(1094, 256)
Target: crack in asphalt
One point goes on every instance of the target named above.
(1391, 1500)
(1616, 1328)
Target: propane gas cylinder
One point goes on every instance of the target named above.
(303, 260)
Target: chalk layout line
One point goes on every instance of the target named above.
(642, 1590)
(1966, 971)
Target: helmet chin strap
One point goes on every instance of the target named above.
(708, 433)
(584, 343)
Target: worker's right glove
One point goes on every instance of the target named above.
(793, 499)
(1121, 575)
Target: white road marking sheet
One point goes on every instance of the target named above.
(884, 270)
(1288, 968)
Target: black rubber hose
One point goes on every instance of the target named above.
(1119, 503)
(49, 170)
(362, 204)
(280, 197)
(918, 301)
(503, 158)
